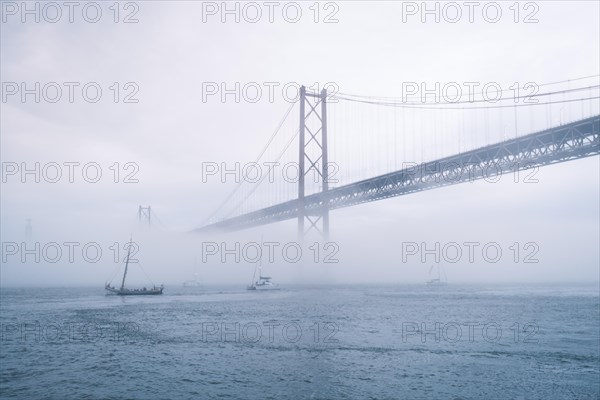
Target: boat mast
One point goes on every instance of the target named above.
(254, 274)
(126, 264)
(260, 268)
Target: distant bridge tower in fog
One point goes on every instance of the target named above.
(28, 231)
(145, 216)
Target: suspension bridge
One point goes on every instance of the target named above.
(410, 146)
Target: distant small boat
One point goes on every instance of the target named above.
(193, 282)
(437, 281)
(263, 282)
(123, 291)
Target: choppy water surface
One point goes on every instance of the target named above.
(329, 342)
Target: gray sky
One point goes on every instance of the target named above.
(168, 55)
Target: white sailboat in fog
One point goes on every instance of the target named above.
(263, 282)
(193, 282)
(437, 281)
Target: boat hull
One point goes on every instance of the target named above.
(436, 283)
(132, 292)
(261, 288)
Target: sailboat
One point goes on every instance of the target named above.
(263, 282)
(193, 282)
(437, 281)
(123, 291)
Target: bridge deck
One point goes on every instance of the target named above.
(567, 142)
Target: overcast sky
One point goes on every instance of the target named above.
(176, 48)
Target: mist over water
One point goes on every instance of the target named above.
(409, 192)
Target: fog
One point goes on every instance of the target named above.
(171, 131)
